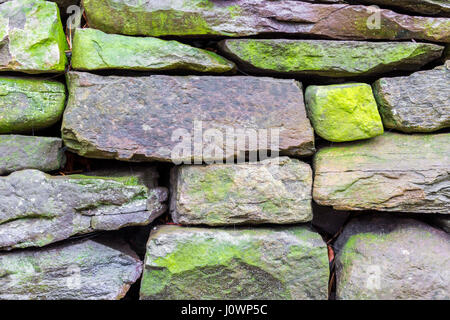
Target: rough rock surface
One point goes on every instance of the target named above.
(95, 50)
(343, 112)
(32, 38)
(25, 152)
(429, 7)
(417, 103)
(270, 191)
(392, 172)
(327, 58)
(30, 104)
(157, 117)
(238, 18)
(100, 269)
(196, 263)
(382, 257)
(37, 209)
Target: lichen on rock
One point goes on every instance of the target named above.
(393, 172)
(327, 58)
(27, 152)
(96, 50)
(198, 263)
(30, 104)
(343, 112)
(274, 191)
(99, 269)
(37, 209)
(32, 38)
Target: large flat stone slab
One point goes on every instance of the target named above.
(96, 50)
(157, 117)
(393, 172)
(32, 38)
(271, 191)
(389, 258)
(416, 103)
(203, 264)
(238, 18)
(30, 104)
(327, 58)
(98, 269)
(28, 152)
(37, 209)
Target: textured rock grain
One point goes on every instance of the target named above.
(343, 112)
(194, 263)
(163, 117)
(327, 58)
(417, 103)
(238, 18)
(25, 152)
(37, 209)
(100, 269)
(32, 38)
(393, 172)
(387, 258)
(29, 104)
(95, 50)
(271, 191)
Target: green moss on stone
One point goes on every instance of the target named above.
(28, 104)
(343, 112)
(95, 50)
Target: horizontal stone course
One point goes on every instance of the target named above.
(271, 191)
(382, 257)
(416, 103)
(32, 38)
(95, 50)
(161, 117)
(327, 58)
(393, 172)
(30, 104)
(100, 269)
(238, 18)
(198, 263)
(37, 209)
(27, 152)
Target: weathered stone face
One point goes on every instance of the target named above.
(37, 209)
(270, 191)
(195, 263)
(100, 269)
(153, 118)
(387, 258)
(25, 152)
(32, 38)
(417, 103)
(30, 104)
(430, 7)
(343, 112)
(328, 58)
(95, 50)
(238, 18)
(393, 172)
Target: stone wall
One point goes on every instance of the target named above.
(213, 149)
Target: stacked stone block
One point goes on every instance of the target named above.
(352, 121)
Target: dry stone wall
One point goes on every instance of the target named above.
(213, 149)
